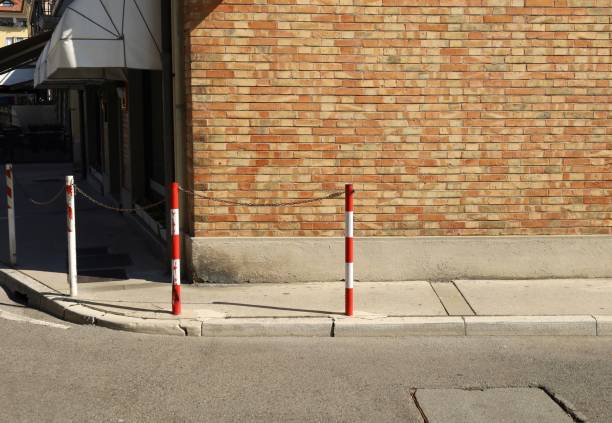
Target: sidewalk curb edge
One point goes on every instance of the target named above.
(64, 308)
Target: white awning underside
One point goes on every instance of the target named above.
(97, 39)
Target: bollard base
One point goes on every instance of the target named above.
(348, 301)
(176, 300)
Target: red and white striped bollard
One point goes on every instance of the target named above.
(348, 249)
(176, 249)
(10, 204)
(71, 226)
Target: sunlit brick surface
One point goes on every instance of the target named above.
(467, 117)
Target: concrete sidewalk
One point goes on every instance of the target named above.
(536, 307)
(124, 284)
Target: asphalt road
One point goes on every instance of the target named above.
(53, 374)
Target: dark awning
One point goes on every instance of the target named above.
(23, 53)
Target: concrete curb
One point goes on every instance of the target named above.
(400, 326)
(530, 325)
(133, 324)
(306, 327)
(40, 296)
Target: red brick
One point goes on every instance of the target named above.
(449, 117)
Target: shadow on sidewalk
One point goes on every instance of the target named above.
(110, 245)
(131, 308)
(277, 308)
(113, 305)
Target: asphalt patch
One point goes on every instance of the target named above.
(500, 405)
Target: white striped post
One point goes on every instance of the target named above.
(176, 249)
(10, 204)
(71, 226)
(348, 249)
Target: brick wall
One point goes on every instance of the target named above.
(463, 117)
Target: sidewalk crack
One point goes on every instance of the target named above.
(565, 405)
(464, 299)
(418, 406)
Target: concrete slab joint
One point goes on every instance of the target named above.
(604, 325)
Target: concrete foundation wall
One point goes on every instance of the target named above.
(240, 260)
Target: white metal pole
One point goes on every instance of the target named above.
(10, 203)
(72, 258)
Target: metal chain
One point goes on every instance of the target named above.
(332, 195)
(46, 203)
(35, 202)
(247, 204)
(117, 209)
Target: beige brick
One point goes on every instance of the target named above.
(469, 117)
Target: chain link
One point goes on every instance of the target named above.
(36, 202)
(335, 194)
(46, 203)
(117, 209)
